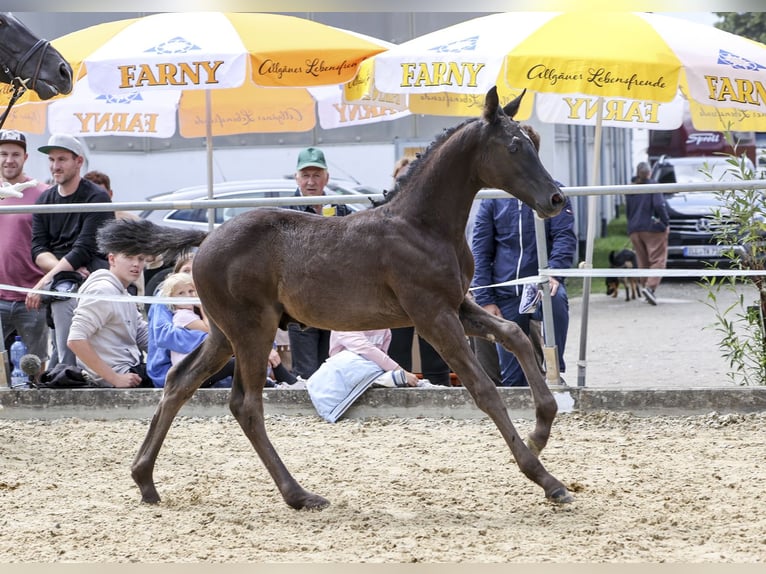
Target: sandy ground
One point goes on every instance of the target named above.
(420, 490)
(659, 489)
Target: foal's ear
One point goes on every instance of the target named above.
(491, 104)
(512, 107)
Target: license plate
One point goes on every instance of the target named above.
(703, 251)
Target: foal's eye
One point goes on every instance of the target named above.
(514, 147)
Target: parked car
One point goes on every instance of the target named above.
(692, 242)
(248, 189)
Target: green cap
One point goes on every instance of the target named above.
(311, 157)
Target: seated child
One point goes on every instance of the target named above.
(358, 360)
(189, 316)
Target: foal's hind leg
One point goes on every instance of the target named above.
(477, 322)
(247, 407)
(446, 335)
(182, 380)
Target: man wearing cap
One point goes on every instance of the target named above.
(16, 265)
(64, 244)
(310, 347)
(312, 176)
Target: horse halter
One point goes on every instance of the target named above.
(20, 84)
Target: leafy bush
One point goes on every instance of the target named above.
(741, 220)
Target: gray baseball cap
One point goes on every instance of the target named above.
(63, 141)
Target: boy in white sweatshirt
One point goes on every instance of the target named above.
(109, 336)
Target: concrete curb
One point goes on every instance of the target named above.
(452, 403)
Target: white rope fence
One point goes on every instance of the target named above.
(620, 272)
(115, 298)
(542, 277)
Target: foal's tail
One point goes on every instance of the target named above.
(142, 237)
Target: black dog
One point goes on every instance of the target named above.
(625, 259)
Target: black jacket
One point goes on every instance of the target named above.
(71, 235)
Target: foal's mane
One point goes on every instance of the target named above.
(422, 160)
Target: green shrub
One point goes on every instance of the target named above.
(741, 220)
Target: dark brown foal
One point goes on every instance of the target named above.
(405, 262)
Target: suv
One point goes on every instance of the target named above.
(692, 241)
(248, 189)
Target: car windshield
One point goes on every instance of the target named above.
(694, 172)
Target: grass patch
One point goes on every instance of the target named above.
(615, 240)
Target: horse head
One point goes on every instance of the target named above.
(32, 62)
(511, 161)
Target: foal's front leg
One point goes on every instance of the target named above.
(478, 323)
(446, 335)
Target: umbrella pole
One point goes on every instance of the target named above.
(589, 243)
(209, 151)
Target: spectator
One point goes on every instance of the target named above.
(648, 229)
(504, 248)
(310, 346)
(357, 361)
(182, 265)
(109, 337)
(433, 367)
(190, 317)
(372, 345)
(165, 337)
(101, 179)
(16, 265)
(64, 244)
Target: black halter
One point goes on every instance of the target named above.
(20, 84)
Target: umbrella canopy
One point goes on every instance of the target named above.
(205, 52)
(256, 67)
(634, 57)
(161, 114)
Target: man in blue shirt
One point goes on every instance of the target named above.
(504, 248)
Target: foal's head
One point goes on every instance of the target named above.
(510, 161)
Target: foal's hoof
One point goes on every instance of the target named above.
(310, 502)
(316, 502)
(561, 496)
(150, 499)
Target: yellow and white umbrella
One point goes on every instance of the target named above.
(615, 56)
(228, 73)
(255, 65)
(161, 114)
